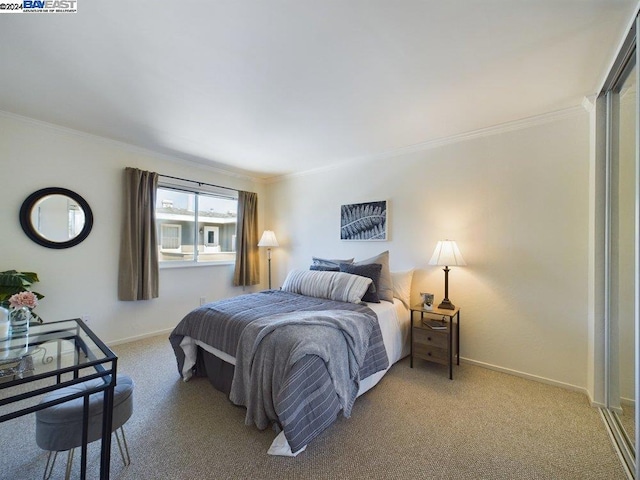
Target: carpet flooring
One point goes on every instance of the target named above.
(415, 424)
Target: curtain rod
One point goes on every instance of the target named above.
(196, 182)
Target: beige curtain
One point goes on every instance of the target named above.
(138, 272)
(247, 270)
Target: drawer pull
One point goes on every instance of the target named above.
(429, 338)
(429, 354)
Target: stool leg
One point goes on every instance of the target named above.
(126, 461)
(67, 475)
(49, 470)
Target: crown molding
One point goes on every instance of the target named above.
(589, 102)
(419, 147)
(440, 142)
(127, 146)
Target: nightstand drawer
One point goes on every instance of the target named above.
(430, 337)
(431, 353)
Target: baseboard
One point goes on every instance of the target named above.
(528, 376)
(593, 403)
(629, 402)
(165, 331)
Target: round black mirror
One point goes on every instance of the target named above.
(56, 217)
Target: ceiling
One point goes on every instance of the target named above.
(270, 88)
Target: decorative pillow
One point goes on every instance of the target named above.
(371, 271)
(327, 262)
(339, 286)
(402, 286)
(325, 268)
(385, 287)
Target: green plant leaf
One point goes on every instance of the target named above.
(12, 282)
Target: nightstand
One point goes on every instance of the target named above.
(434, 334)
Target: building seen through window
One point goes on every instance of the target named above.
(195, 226)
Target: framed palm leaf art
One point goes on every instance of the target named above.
(364, 221)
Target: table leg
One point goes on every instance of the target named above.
(85, 433)
(107, 422)
(411, 341)
(458, 338)
(450, 348)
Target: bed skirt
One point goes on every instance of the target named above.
(219, 372)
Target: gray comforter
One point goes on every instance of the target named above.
(298, 373)
(269, 347)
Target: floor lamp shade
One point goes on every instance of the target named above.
(447, 254)
(268, 240)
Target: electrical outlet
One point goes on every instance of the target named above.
(86, 318)
(203, 300)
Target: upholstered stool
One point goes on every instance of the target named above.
(59, 428)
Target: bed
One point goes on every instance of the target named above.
(270, 351)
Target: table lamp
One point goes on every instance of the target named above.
(447, 254)
(268, 240)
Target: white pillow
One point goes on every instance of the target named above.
(343, 287)
(402, 286)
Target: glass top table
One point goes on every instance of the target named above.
(51, 356)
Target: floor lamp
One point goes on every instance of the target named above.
(268, 240)
(447, 254)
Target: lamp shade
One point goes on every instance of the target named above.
(268, 239)
(447, 254)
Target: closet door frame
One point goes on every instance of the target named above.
(627, 59)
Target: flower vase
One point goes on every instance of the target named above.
(20, 318)
(5, 324)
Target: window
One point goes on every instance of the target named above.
(76, 219)
(211, 236)
(196, 225)
(170, 237)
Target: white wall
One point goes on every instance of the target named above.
(83, 279)
(517, 204)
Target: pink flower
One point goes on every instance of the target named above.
(23, 299)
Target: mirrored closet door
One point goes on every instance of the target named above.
(622, 239)
(623, 287)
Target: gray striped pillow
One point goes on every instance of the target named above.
(339, 286)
